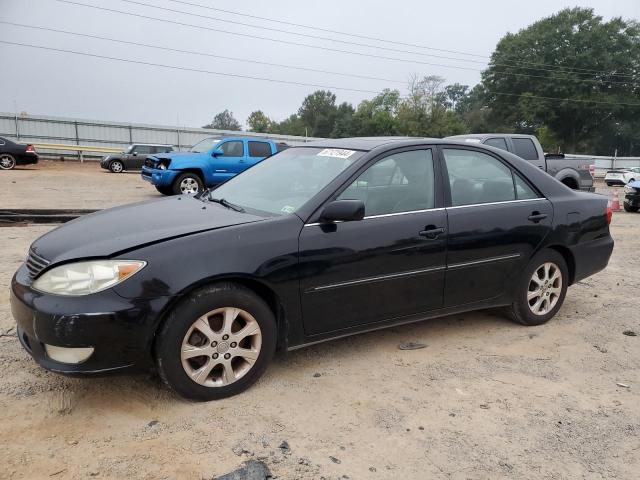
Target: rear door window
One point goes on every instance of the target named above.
(259, 149)
(523, 190)
(497, 142)
(142, 149)
(476, 178)
(525, 148)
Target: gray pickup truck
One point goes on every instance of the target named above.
(574, 173)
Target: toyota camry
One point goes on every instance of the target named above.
(316, 242)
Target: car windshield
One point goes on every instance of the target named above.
(281, 184)
(204, 145)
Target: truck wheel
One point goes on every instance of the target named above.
(629, 208)
(165, 190)
(216, 343)
(187, 184)
(116, 166)
(541, 289)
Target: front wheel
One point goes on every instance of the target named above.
(7, 162)
(629, 208)
(216, 343)
(187, 184)
(541, 290)
(116, 166)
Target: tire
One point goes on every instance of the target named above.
(629, 208)
(7, 162)
(609, 184)
(165, 190)
(521, 310)
(184, 334)
(187, 184)
(116, 166)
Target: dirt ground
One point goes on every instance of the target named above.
(486, 399)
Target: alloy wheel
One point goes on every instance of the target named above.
(116, 167)
(221, 347)
(7, 162)
(189, 186)
(545, 288)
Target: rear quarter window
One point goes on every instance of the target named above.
(525, 148)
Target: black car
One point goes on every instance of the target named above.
(316, 242)
(133, 157)
(12, 154)
(632, 197)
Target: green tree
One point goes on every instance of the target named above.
(258, 122)
(318, 113)
(224, 121)
(573, 54)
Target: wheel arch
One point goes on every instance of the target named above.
(569, 258)
(195, 170)
(262, 290)
(569, 177)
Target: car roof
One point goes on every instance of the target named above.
(482, 136)
(152, 144)
(369, 143)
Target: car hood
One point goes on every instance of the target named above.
(178, 157)
(112, 231)
(635, 184)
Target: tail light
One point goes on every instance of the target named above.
(30, 149)
(609, 215)
(592, 170)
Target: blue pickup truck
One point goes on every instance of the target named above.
(209, 163)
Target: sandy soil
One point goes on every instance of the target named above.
(485, 399)
(71, 184)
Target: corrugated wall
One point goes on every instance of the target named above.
(71, 131)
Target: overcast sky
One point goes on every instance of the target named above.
(63, 84)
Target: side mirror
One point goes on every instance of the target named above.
(343, 211)
(135, 154)
(216, 152)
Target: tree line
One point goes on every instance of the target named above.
(572, 79)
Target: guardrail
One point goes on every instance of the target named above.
(75, 148)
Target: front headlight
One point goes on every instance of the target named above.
(84, 278)
(163, 164)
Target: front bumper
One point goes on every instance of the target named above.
(157, 177)
(120, 330)
(632, 199)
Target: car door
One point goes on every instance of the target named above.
(258, 151)
(496, 221)
(388, 265)
(230, 163)
(135, 158)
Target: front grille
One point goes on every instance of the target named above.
(35, 264)
(149, 163)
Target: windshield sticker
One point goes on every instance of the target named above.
(288, 209)
(472, 140)
(336, 153)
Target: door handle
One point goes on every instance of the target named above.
(536, 217)
(431, 232)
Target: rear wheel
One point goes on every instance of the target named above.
(187, 184)
(7, 162)
(165, 190)
(116, 166)
(541, 290)
(216, 343)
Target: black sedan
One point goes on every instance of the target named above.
(12, 154)
(316, 242)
